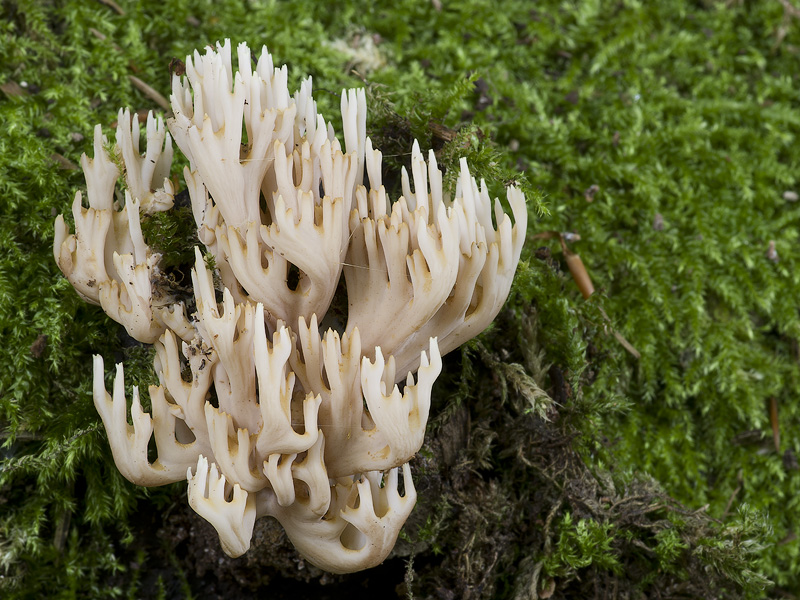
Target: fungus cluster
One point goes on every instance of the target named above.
(264, 405)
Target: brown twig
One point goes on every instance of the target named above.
(63, 162)
(103, 37)
(113, 5)
(12, 88)
(578, 270)
(150, 92)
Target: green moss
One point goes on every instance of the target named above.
(581, 544)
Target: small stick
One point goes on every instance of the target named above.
(151, 93)
(113, 5)
(102, 37)
(578, 270)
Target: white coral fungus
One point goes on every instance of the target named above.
(261, 410)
